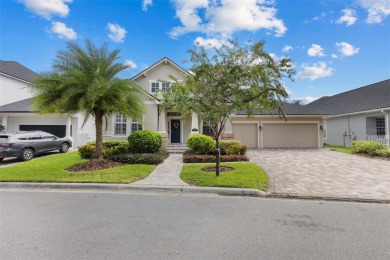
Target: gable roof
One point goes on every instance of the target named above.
(17, 70)
(370, 97)
(22, 106)
(163, 60)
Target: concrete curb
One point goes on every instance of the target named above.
(155, 188)
(327, 198)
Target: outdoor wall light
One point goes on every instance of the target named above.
(260, 128)
(321, 128)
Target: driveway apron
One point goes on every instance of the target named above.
(323, 173)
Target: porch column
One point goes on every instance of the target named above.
(162, 126)
(68, 127)
(194, 124)
(387, 128)
(4, 122)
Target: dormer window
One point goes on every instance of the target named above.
(154, 86)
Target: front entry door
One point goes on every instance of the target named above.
(175, 131)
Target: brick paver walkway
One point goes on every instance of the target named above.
(324, 173)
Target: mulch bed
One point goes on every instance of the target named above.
(372, 156)
(221, 169)
(94, 165)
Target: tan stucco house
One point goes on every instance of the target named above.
(303, 128)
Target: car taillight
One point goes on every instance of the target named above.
(7, 144)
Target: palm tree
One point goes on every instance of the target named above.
(83, 80)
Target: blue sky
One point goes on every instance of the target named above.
(335, 45)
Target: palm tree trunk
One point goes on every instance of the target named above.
(99, 134)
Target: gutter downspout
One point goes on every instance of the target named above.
(387, 127)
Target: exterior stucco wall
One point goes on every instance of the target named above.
(12, 90)
(343, 130)
(160, 72)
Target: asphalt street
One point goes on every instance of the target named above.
(113, 225)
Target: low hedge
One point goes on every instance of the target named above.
(382, 153)
(194, 158)
(140, 158)
(368, 147)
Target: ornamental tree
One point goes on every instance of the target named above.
(229, 79)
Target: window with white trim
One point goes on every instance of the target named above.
(164, 86)
(135, 126)
(154, 86)
(380, 126)
(120, 124)
(324, 129)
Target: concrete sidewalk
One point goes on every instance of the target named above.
(166, 174)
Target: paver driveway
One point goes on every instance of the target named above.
(324, 173)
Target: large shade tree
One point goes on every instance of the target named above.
(84, 80)
(229, 79)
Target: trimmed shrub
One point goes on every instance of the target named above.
(145, 141)
(201, 144)
(193, 158)
(366, 147)
(120, 148)
(87, 151)
(243, 149)
(382, 153)
(139, 158)
(225, 145)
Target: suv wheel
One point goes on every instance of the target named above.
(64, 148)
(27, 154)
(1, 159)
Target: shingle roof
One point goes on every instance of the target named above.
(374, 96)
(17, 70)
(290, 109)
(22, 106)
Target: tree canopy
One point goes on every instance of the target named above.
(84, 80)
(229, 79)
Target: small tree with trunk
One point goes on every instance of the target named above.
(230, 79)
(84, 80)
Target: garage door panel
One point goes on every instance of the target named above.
(247, 134)
(290, 135)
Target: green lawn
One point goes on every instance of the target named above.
(245, 175)
(52, 169)
(340, 149)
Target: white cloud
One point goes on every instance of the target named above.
(48, 8)
(334, 56)
(222, 18)
(63, 31)
(349, 17)
(315, 50)
(287, 48)
(145, 4)
(317, 70)
(209, 43)
(131, 64)
(318, 17)
(377, 10)
(346, 49)
(117, 33)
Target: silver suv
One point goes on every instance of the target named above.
(25, 145)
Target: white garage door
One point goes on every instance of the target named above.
(290, 135)
(246, 133)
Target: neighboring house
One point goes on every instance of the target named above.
(17, 114)
(303, 128)
(359, 114)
